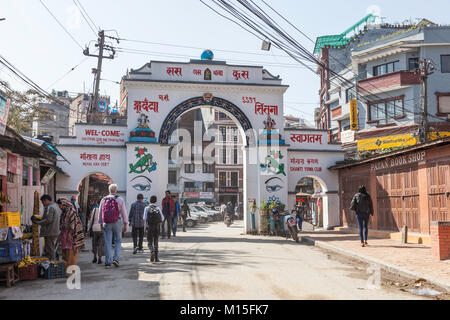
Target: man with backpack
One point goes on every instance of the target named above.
(137, 223)
(362, 205)
(113, 221)
(154, 217)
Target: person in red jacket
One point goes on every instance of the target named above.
(168, 210)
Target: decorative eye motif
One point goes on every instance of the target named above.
(273, 184)
(144, 183)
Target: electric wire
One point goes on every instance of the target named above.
(61, 25)
(84, 17)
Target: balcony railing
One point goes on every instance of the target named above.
(386, 81)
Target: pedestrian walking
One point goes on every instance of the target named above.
(95, 231)
(185, 213)
(72, 233)
(168, 210)
(113, 221)
(153, 216)
(299, 211)
(137, 223)
(363, 206)
(49, 225)
(176, 215)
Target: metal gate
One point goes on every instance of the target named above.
(438, 174)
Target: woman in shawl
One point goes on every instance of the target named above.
(72, 235)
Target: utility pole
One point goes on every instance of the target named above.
(94, 114)
(426, 67)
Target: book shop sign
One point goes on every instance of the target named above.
(398, 161)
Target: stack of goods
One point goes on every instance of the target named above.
(28, 268)
(10, 237)
(52, 269)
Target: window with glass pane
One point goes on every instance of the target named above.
(223, 133)
(235, 156)
(172, 177)
(189, 168)
(224, 156)
(234, 179)
(413, 64)
(445, 63)
(35, 176)
(385, 112)
(25, 175)
(189, 186)
(234, 134)
(222, 179)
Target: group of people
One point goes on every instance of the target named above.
(61, 224)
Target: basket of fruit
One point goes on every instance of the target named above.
(28, 268)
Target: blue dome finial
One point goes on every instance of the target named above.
(207, 55)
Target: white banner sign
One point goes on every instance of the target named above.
(4, 111)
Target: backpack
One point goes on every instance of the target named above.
(110, 210)
(153, 216)
(362, 204)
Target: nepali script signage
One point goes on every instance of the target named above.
(398, 161)
(101, 135)
(307, 139)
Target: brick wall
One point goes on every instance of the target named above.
(440, 240)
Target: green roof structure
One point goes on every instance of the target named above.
(341, 40)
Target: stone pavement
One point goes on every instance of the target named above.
(415, 258)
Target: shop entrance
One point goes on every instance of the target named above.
(92, 189)
(309, 194)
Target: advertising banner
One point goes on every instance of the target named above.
(4, 111)
(353, 115)
(394, 141)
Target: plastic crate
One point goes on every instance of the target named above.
(54, 271)
(10, 251)
(10, 237)
(9, 219)
(28, 273)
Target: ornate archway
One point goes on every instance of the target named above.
(206, 100)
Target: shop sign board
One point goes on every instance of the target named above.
(4, 111)
(353, 115)
(192, 195)
(101, 135)
(206, 195)
(347, 136)
(393, 141)
(48, 176)
(393, 162)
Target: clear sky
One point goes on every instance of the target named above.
(33, 41)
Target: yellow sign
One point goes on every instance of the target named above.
(394, 141)
(438, 135)
(353, 115)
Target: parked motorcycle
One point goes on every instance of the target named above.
(292, 225)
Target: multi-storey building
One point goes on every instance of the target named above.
(228, 171)
(389, 105)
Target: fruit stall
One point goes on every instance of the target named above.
(19, 253)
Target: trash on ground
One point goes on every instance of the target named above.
(424, 292)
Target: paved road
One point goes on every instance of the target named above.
(214, 262)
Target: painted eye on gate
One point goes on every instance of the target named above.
(274, 188)
(272, 185)
(141, 187)
(143, 184)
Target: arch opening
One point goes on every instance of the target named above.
(92, 188)
(310, 192)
